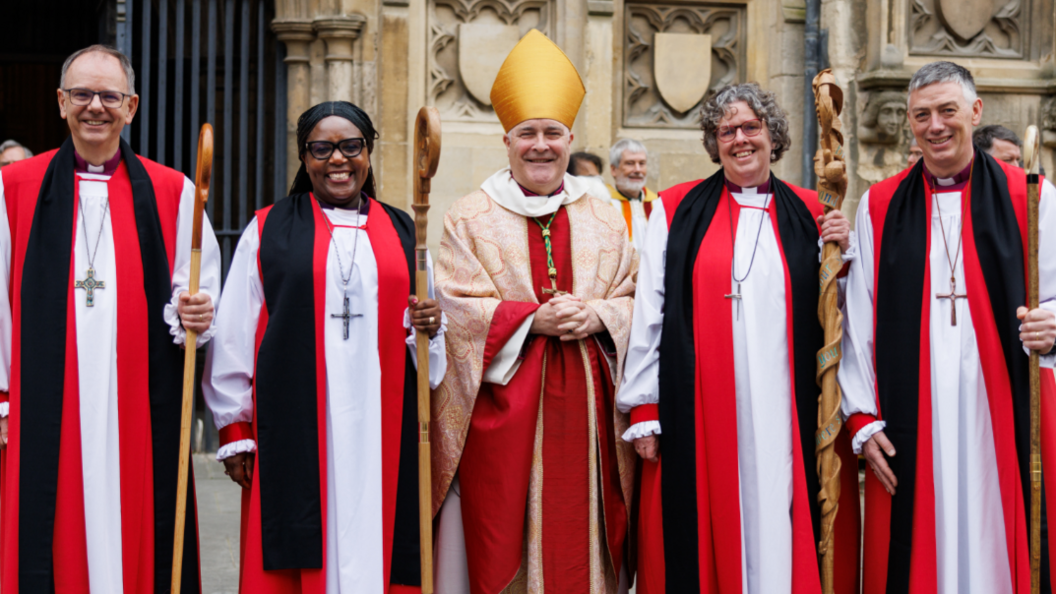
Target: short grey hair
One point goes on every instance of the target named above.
(126, 64)
(942, 72)
(8, 144)
(763, 103)
(624, 144)
(984, 137)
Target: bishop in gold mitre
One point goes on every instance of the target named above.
(536, 277)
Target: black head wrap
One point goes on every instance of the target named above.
(311, 118)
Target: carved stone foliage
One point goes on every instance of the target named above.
(468, 41)
(643, 103)
(968, 28)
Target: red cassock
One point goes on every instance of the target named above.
(565, 380)
(900, 531)
(43, 544)
(689, 528)
(283, 534)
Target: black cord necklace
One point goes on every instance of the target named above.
(733, 244)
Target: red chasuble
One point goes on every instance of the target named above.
(284, 514)
(43, 543)
(554, 388)
(900, 531)
(690, 526)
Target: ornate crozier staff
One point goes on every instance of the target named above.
(832, 185)
(1030, 158)
(427, 156)
(201, 195)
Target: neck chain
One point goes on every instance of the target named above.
(733, 244)
(952, 295)
(551, 270)
(90, 283)
(337, 249)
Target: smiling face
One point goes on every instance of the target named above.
(539, 151)
(338, 180)
(96, 130)
(746, 159)
(942, 119)
(630, 174)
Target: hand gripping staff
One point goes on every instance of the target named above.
(1030, 159)
(201, 195)
(426, 158)
(832, 185)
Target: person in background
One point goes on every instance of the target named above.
(11, 151)
(914, 154)
(628, 163)
(584, 164)
(1000, 142)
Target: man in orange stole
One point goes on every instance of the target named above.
(536, 278)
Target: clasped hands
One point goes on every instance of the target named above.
(568, 317)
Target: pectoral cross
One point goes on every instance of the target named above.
(89, 284)
(346, 316)
(952, 296)
(736, 296)
(553, 290)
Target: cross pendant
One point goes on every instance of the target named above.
(952, 296)
(553, 284)
(736, 296)
(346, 316)
(89, 284)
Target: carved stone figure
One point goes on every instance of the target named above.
(884, 119)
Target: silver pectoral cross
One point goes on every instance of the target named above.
(736, 296)
(89, 284)
(346, 315)
(952, 296)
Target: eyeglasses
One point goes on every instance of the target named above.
(111, 99)
(749, 128)
(349, 147)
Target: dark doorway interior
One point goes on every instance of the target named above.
(33, 45)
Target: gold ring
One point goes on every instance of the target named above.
(431, 320)
(1037, 336)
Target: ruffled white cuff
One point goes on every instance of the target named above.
(407, 324)
(643, 429)
(865, 434)
(172, 318)
(848, 256)
(236, 447)
(5, 409)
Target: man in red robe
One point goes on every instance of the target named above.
(94, 266)
(935, 366)
(536, 278)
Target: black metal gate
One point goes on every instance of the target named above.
(213, 61)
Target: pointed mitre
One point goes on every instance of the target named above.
(537, 81)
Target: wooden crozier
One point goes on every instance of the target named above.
(832, 185)
(1030, 159)
(427, 157)
(201, 195)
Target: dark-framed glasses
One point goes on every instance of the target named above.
(749, 128)
(111, 99)
(349, 147)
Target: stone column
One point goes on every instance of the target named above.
(339, 32)
(297, 35)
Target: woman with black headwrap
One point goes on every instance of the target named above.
(312, 375)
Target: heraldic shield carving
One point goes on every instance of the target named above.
(682, 68)
(965, 18)
(482, 48)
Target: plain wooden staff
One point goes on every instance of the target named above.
(427, 157)
(1030, 158)
(201, 195)
(832, 185)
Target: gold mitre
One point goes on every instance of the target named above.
(537, 81)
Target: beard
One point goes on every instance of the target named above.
(629, 187)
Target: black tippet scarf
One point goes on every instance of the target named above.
(799, 240)
(287, 401)
(900, 271)
(44, 294)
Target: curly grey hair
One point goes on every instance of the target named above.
(763, 103)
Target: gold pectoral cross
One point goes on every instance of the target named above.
(952, 296)
(89, 284)
(553, 290)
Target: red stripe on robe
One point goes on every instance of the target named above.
(393, 290)
(134, 427)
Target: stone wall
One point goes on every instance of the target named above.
(393, 56)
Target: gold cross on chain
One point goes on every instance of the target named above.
(952, 296)
(89, 284)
